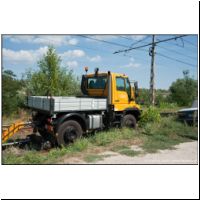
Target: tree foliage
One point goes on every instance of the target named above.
(184, 91)
(10, 90)
(144, 96)
(51, 78)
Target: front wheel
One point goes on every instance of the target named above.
(68, 132)
(129, 121)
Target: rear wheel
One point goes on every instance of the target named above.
(68, 132)
(129, 121)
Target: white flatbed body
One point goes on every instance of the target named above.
(57, 104)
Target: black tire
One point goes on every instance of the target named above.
(68, 132)
(129, 121)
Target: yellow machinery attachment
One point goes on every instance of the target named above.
(12, 129)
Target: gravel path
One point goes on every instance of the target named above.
(184, 153)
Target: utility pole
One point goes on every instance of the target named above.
(152, 81)
(152, 54)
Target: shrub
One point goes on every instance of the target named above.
(150, 115)
(167, 105)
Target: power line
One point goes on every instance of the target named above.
(112, 43)
(140, 41)
(125, 37)
(169, 42)
(104, 41)
(172, 50)
(137, 48)
(181, 46)
(124, 55)
(194, 45)
(84, 47)
(168, 39)
(180, 61)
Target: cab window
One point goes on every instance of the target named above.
(120, 83)
(128, 87)
(97, 82)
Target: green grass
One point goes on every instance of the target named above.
(107, 137)
(29, 157)
(91, 158)
(125, 150)
(152, 136)
(166, 134)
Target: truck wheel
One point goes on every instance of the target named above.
(68, 132)
(129, 121)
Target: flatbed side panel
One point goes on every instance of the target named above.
(60, 104)
(41, 103)
(80, 104)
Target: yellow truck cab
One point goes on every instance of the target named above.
(122, 94)
(107, 100)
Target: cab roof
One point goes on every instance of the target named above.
(105, 73)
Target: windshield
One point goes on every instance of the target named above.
(97, 82)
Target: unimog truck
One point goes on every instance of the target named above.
(107, 100)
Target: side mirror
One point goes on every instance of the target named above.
(136, 89)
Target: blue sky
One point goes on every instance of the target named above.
(21, 52)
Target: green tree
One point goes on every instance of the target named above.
(144, 97)
(184, 91)
(10, 89)
(161, 96)
(51, 78)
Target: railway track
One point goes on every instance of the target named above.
(32, 138)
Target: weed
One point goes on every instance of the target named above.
(93, 158)
(125, 150)
(129, 152)
(80, 145)
(150, 115)
(152, 135)
(166, 105)
(120, 148)
(166, 134)
(29, 157)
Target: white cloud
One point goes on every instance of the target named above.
(72, 41)
(138, 37)
(101, 37)
(72, 64)
(111, 37)
(21, 38)
(95, 58)
(132, 64)
(73, 53)
(28, 56)
(21, 55)
(56, 40)
(32, 56)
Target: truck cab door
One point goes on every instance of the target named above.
(121, 97)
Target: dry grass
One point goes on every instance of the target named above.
(151, 137)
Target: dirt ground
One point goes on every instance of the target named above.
(184, 153)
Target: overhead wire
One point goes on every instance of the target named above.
(177, 60)
(138, 48)
(145, 45)
(172, 50)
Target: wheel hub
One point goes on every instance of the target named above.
(70, 135)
